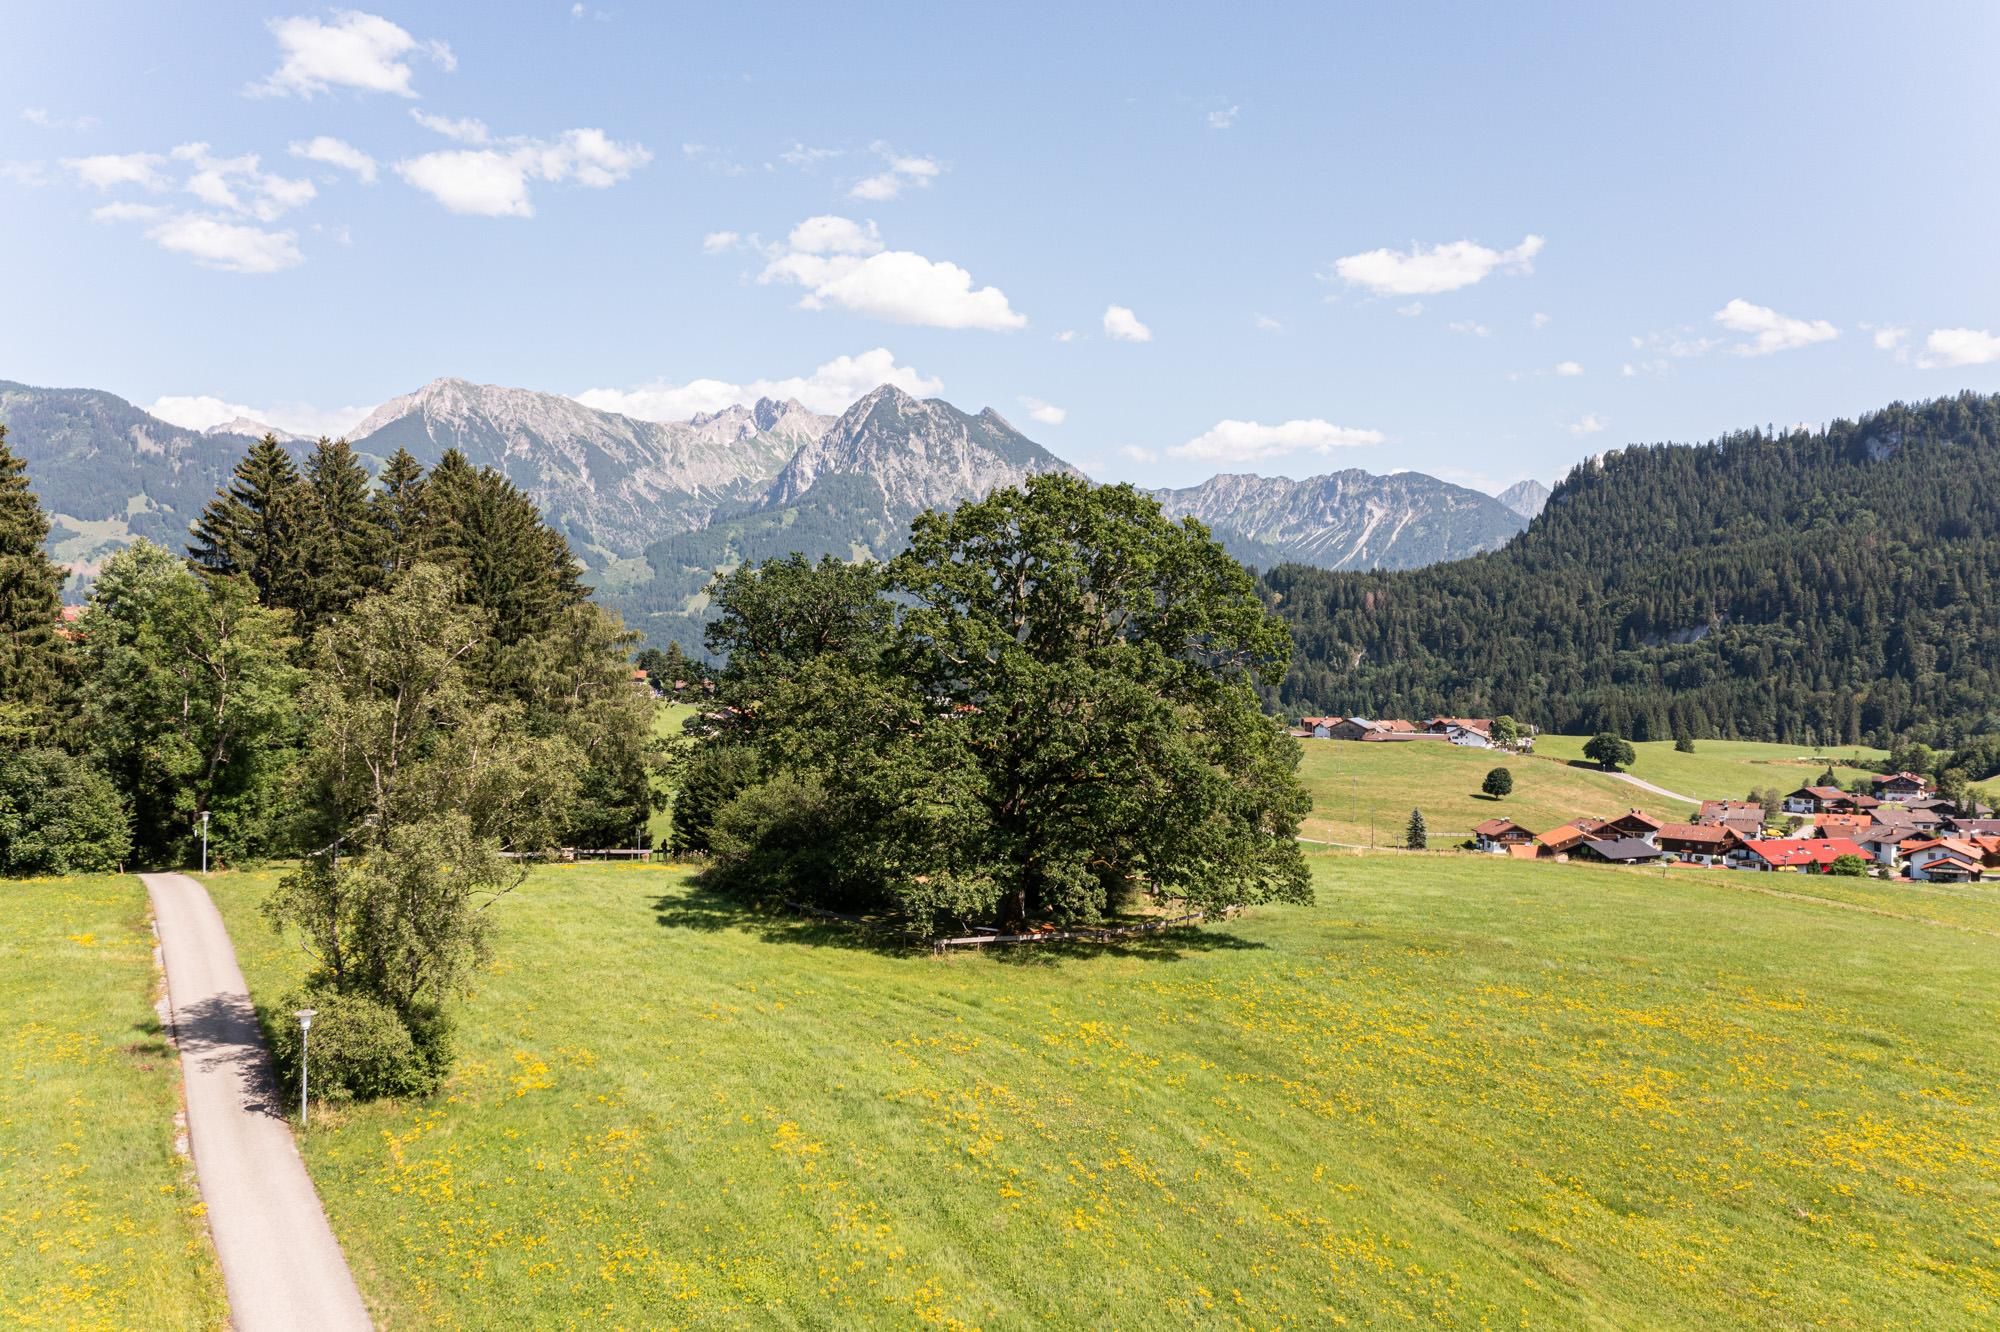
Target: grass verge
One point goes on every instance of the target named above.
(99, 1216)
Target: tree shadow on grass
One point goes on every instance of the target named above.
(704, 910)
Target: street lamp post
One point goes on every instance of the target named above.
(204, 841)
(305, 1017)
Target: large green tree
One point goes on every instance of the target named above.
(1061, 715)
(188, 704)
(343, 547)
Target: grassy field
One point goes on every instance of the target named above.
(99, 1221)
(1725, 769)
(1457, 1091)
(1348, 779)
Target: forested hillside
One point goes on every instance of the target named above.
(1833, 587)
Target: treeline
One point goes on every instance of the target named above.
(1825, 588)
(328, 645)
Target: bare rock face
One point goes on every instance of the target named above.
(1525, 498)
(612, 482)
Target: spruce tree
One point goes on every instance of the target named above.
(32, 651)
(252, 527)
(1416, 836)
(400, 514)
(342, 545)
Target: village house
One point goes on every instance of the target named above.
(1842, 825)
(1884, 842)
(1318, 728)
(1618, 850)
(1745, 818)
(1943, 859)
(1557, 843)
(1971, 827)
(1496, 836)
(1903, 786)
(1634, 823)
(1812, 855)
(1699, 843)
(1815, 800)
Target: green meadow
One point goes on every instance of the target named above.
(1352, 782)
(1456, 1091)
(1726, 769)
(99, 1216)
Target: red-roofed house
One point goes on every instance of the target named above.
(1496, 835)
(1319, 727)
(1923, 858)
(1843, 825)
(1814, 855)
(1815, 800)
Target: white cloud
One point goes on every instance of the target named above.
(1470, 327)
(108, 170)
(1138, 454)
(43, 118)
(237, 185)
(1429, 270)
(336, 152)
(1249, 441)
(1949, 347)
(1769, 330)
(360, 51)
(1067, 335)
(1121, 325)
(715, 242)
(833, 387)
(902, 172)
(493, 182)
(1538, 320)
(827, 234)
(1410, 311)
(808, 159)
(200, 411)
(1589, 424)
(840, 262)
(1890, 336)
(465, 129)
(1266, 324)
(1045, 412)
(29, 175)
(1568, 369)
(1224, 118)
(211, 241)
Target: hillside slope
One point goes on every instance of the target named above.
(1346, 520)
(1832, 587)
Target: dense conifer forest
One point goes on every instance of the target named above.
(1817, 587)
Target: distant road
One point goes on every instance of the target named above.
(1656, 790)
(283, 1268)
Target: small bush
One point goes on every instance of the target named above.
(1848, 867)
(361, 1050)
(781, 838)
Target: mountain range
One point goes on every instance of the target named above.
(654, 508)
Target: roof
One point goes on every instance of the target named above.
(1822, 792)
(1714, 834)
(1788, 851)
(1638, 816)
(1722, 809)
(1916, 777)
(1523, 850)
(1889, 832)
(1976, 826)
(1499, 828)
(1621, 848)
(1564, 837)
(1321, 721)
(1844, 825)
(1952, 846)
(1952, 865)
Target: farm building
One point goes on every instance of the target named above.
(1498, 835)
(1813, 855)
(1702, 843)
(1903, 786)
(1618, 850)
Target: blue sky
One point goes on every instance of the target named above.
(1464, 240)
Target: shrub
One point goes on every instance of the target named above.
(361, 1050)
(1848, 867)
(59, 815)
(781, 838)
(1684, 744)
(1498, 784)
